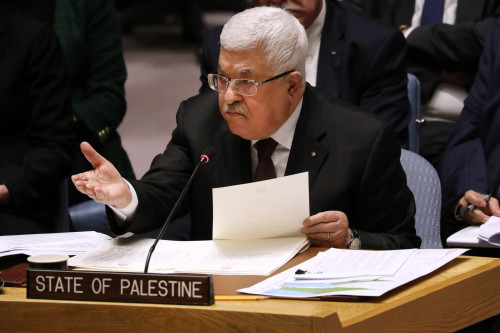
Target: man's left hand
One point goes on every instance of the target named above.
(327, 229)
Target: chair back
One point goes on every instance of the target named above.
(89, 216)
(414, 125)
(423, 181)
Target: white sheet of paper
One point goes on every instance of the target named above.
(338, 263)
(248, 257)
(286, 284)
(65, 242)
(490, 231)
(266, 209)
(129, 254)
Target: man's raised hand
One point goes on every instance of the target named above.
(104, 183)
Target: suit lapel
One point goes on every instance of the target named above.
(308, 153)
(331, 51)
(233, 165)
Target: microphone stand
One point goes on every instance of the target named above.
(204, 159)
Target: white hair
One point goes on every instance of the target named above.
(277, 33)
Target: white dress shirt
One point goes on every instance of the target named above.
(314, 41)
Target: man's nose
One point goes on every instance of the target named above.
(230, 95)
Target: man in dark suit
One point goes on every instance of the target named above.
(36, 137)
(470, 167)
(357, 185)
(351, 57)
(443, 54)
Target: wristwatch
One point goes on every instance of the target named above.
(355, 241)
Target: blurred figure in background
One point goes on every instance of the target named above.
(189, 13)
(36, 140)
(445, 39)
(91, 41)
(470, 167)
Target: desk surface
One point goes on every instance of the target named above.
(463, 292)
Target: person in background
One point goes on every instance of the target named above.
(265, 121)
(36, 140)
(351, 56)
(91, 41)
(470, 168)
(445, 40)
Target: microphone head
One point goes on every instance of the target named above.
(208, 153)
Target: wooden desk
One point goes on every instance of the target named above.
(463, 292)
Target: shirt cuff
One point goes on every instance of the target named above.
(408, 31)
(122, 214)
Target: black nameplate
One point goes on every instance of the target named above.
(120, 287)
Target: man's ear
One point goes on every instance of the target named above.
(294, 80)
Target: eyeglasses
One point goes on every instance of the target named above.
(244, 87)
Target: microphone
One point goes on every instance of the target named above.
(209, 153)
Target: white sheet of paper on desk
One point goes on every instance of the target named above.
(490, 231)
(267, 209)
(286, 284)
(69, 243)
(235, 257)
(244, 257)
(129, 254)
(338, 263)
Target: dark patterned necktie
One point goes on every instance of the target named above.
(432, 12)
(265, 167)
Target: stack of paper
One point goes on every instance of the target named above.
(256, 230)
(353, 273)
(69, 243)
(486, 235)
(246, 257)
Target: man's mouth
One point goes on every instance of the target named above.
(234, 109)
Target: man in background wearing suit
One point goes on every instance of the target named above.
(36, 137)
(444, 47)
(357, 187)
(470, 167)
(350, 56)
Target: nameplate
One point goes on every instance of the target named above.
(120, 287)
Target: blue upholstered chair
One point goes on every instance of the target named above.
(91, 216)
(423, 181)
(414, 125)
